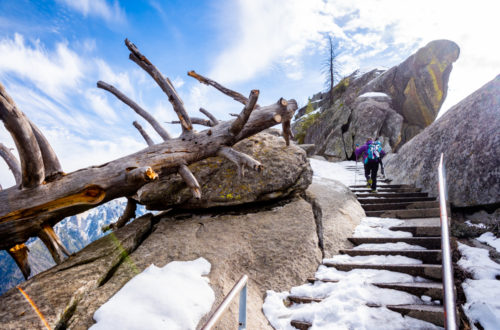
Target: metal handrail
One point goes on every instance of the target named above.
(448, 285)
(239, 287)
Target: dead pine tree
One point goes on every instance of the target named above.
(44, 194)
(330, 68)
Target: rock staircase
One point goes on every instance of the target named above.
(421, 218)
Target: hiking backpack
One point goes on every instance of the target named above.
(374, 151)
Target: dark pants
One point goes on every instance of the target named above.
(371, 169)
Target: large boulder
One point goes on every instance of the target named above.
(418, 86)
(392, 105)
(337, 213)
(285, 171)
(468, 135)
(277, 247)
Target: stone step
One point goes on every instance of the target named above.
(432, 243)
(430, 313)
(419, 231)
(303, 300)
(405, 214)
(386, 186)
(382, 189)
(400, 206)
(301, 325)
(429, 271)
(390, 200)
(312, 280)
(431, 289)
(427, 256)
(392, 195)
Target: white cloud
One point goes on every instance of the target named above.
(119, 80)
(178, 82)
(51, 71)
(268, 33)
(100, 8)
(101, 106)
(262, 36)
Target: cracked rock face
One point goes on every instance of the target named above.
(468, 135)
(414, 92)
(277, 247)
(286, 170)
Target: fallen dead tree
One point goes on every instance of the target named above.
(44, 194)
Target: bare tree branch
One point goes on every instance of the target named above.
(240, 159)
(204, 80)
(19, 253)
(145, 135)
(140, 111)
(51, 164)
(53, 244)
(33, 172)
(190, 180)
(12, 162)
(287, 131)
(242, 119)
(164, 84)
(195, 120)
(210, 116)
(128, 213)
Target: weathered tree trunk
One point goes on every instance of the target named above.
(19, 127)
(12, 162)
(26, 213)
(28, 209)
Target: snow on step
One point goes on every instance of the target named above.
(374, 199)
(372, 260)
(430, 289)
(405, 214)
(392, 195)
(400, 206)
(425, 270)
(379, 227)
(426, 256)
(389, 246)
(428, 242)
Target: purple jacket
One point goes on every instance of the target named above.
(363, 151)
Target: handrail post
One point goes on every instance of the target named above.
(239, 287)
(243, 309)
(448, 283)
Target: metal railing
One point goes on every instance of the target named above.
(241, 288)
(448, 285)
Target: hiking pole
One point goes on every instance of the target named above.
(356, 171)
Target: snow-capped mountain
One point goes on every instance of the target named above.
(75, 233)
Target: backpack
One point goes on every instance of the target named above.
(374, 151)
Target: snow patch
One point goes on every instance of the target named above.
(379, 227)
(175, 296)
(478, 263)
(336, 171)
(482, 304)
(374, 94)
(373, 260)
(477, 225)
(491, 240)
(399, 246)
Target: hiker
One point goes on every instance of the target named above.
(382, 171)
(372, 153)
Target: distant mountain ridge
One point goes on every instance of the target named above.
(75, 232)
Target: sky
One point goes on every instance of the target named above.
(52, 53)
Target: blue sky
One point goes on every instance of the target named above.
(52, 53)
